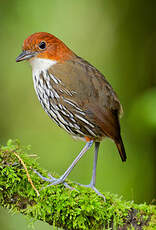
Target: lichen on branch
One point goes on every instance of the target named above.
(79, 208)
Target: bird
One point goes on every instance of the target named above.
(75, 95)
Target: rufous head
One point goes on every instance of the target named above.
(44, 45)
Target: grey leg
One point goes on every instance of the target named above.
(93, 180)
(54, 181)
(92, 183)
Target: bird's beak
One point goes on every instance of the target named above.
(26, 54)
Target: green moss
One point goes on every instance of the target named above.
(79, 208)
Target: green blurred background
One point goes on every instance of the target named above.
(119, 38)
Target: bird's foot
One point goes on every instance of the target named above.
(53, 181)
(93, 188)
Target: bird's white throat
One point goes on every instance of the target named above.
(41, 64)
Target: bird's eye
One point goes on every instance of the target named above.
(42, 45)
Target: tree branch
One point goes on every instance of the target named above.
(80, 208)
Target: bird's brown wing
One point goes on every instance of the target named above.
(93, 95)
(87, 82)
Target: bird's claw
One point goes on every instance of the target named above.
(93, 188)
(53, 180)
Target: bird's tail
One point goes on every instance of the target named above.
(121, 149)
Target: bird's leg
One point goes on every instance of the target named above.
(93, 180)
(54, 181)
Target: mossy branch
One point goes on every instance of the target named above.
(80, 208)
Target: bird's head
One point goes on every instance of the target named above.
(43, 45)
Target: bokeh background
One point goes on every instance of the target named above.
(119, 38)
